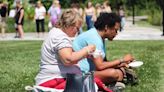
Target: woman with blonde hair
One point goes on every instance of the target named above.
(90, 15)
(98, 9)
(106, 7)
(57, 55)
(54, 12)
(40, 13)
(19, 18)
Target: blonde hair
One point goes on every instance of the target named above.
(39, 2)
(69, 18)
(56, 1)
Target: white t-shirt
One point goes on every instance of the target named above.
(51, 65)
(39, 12)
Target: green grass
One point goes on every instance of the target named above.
(145, 23)
(151, 53)
(19, 63)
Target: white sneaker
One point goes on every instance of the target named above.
(120, 84)
(117, 87)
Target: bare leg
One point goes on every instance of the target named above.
(3, 29)
(109, 75)
(20, 31)
(42, 34)
(3, 32)
(38, 34)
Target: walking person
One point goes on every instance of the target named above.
(90, 15)
(98, 9)
(76, 7)
(40, 13)
(19, 18)
(106, 7)
(122, 16)
(54, 12)
(3, 13)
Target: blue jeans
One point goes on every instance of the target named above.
(89, 21)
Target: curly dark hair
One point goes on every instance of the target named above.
(106, 19)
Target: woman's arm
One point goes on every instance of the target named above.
(44, 10)
(70, 57)
(21, 15)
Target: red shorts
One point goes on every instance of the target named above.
(59, 83)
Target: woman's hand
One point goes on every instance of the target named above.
(90, 48)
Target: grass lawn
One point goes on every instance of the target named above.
(144, 23)
(19, 63)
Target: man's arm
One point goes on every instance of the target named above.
(100, 64)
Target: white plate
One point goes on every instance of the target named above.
(135, 64)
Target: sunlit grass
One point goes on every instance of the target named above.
(19, 63)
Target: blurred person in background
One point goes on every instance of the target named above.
(106, 7)
(98, 9)
(3, 13)
(122, 16)
(76, 7)
(90, 15)
(54, 12)
(19, 19)
(40, 13)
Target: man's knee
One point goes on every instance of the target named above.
(114, 73)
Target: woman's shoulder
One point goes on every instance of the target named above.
(43, 7)
(57, 32)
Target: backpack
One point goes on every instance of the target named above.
(130, 77)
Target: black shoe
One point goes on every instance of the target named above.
(16, 36)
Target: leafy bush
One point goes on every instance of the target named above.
(10, 25)
(29, 12)
(29, 25)
(47, 3)
(155, 17)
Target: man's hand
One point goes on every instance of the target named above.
(124, 65)
(128, 58)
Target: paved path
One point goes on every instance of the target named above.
(133, 32)
(27, 36)
(130, 32)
